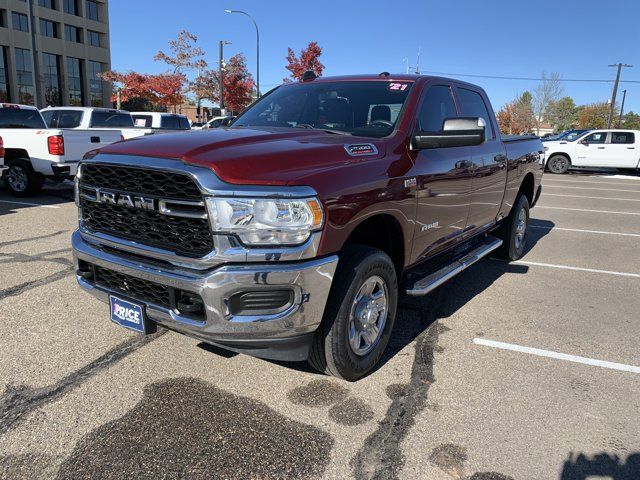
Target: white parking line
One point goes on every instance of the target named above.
(585, 210)
(556, 355)
(586, 231)
(578, 269)
(544, 185)
(630, 184)
(30, 204)
(597, 198)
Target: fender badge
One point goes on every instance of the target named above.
(361, 149)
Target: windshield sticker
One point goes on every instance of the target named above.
(361, 149)
(398, 87)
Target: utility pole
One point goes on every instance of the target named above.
(624, 96)
(221, 76)
(418, 62)
(615, 91)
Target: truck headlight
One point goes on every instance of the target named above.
(266, 221)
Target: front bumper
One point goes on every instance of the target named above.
(285, 335)
(3, 168)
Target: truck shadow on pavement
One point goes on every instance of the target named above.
(51, 196)
(601, 465)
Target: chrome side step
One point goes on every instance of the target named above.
(437, 278)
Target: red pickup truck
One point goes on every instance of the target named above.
(291, 234)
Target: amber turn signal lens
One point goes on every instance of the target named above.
(316, 211)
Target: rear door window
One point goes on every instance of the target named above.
(50, 117)
(170, 122)
(184, 123)
(111, 120)
(437, 105)
(472, 105)
(625, 138)
(68, 119)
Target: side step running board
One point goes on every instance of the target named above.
(437, 278)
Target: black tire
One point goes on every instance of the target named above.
(21, 179)
(513, 246)
(558, 164)
(331, 351)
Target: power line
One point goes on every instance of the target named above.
(498, 77)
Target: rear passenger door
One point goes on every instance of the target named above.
(442, 177)
(489, 162)
(622, 149)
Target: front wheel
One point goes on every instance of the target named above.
(21, 179)
(558, 164)
(515, 229)
(359, 316)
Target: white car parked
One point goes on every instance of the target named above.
(161, 122)
(613, 148)
(92, 118)
(34, 152)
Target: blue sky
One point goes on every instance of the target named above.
(513, 38)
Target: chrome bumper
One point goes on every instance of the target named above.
(268, 336)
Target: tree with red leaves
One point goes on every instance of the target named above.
(164, 89)
(308, 60)
(238, 84)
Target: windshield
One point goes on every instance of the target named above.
(570, 136)
(111, 120)
(367, 108)
(19, 118)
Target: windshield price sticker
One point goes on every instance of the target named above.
(397, 87)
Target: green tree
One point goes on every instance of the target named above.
(631, 121)
(562, 114)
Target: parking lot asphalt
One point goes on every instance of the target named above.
(528, 370)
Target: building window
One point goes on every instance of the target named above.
(51, 77)
(74, 81)
(26, 89)
(93, 10)
(4, 77)
(73, 34)
(3, 18)
(71, 6)
(48, 28)
(95, 83)
(93, 38)
(20, 22)
(47, 3)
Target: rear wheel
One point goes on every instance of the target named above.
(558, 164)
(21, 179)
(359, 316)
(514, 230)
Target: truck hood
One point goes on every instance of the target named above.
(252, 155)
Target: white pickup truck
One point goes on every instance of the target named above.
(34, 153)
(93, 118)
(614, 148)
(161, 122)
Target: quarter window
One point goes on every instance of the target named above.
(622, 138)
(436, 107)
(472, 105)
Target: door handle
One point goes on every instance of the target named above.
(631, 148)
(95, 139)
(600, 148)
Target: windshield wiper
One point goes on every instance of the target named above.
(328, 130)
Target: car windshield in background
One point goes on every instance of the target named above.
(572, 136)
(111, 120)
(369, 108)
(19, 118)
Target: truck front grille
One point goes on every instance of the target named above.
(190, 237)
(142, 181)
(134, 287)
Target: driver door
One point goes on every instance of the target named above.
(591, 151)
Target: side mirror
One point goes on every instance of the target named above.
(584, 142)
(456, 132)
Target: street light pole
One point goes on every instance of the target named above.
(257, 47)
(221, 75)
(624, 96)
(615, 91)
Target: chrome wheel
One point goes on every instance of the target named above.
(17, 178)
(368, 315)
(521, 228)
